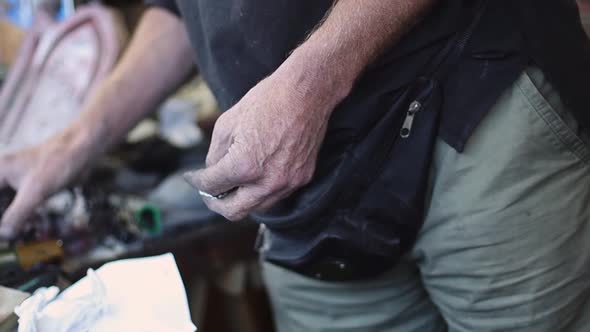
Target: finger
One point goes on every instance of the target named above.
(24, 203)
(252, 198)
(220, 143)
(229, 173)
(237, 205)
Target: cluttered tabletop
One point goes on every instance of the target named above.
(132, 214)
(115, 213)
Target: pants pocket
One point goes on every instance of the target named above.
(545, 101)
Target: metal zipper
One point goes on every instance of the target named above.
(415, 106)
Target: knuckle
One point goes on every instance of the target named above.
(308, 174)
(230, 211)
(218, 136)
(301, 180)
(247, 169)
(209, 160)
(294, 183)
(234, 215)
(307, 177)
(271, 183)
(220, 122)
(279, 183)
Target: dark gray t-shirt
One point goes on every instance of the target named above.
(239, 42)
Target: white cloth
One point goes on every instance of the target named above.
(144, 294)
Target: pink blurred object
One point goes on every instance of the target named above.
(57, 69)
(584, 6)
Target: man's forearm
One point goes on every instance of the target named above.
(352, 36)
(157, 61)
(266, 146)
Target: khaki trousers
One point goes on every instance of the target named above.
(505, 245)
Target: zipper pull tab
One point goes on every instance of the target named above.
(415, 106)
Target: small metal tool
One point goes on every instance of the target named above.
(218, 196)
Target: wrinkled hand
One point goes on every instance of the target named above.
(264, 148)
(35, 173)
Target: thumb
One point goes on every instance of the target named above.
(26, 200)
(232, 171)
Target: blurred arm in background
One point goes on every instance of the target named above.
(157, 61)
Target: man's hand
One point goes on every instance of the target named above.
(266, 146)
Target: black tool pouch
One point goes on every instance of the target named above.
(365, 204)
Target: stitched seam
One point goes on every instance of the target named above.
(553, 120)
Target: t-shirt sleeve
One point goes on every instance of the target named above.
(169, 5)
